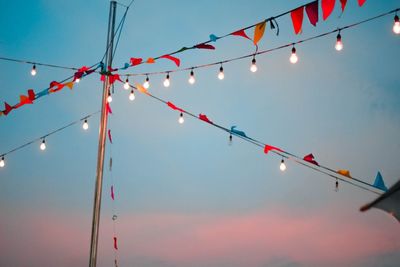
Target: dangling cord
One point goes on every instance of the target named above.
(337, 185)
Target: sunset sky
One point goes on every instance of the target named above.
(185, 197)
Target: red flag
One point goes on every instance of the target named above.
(312, 12)
(205, 46)
(204, 118)
(174, 107)
(297, 19)
(268, 148)
(361, 2)
(7, 108)
(31, 94)
(343, 4)
(241, 33)
(327, 8)
(83, 69)
(58, 86)
(174, 59)
(108, 108)
(112, 192)
(114, 77)
(115, 243)
(109, 136)
(136, 61)
(310, 158)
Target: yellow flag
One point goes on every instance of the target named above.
(259, 31)
(344, 173)
(70, 85)
(141, 89)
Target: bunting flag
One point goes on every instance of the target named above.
(268, 148)
(312, 12)
(327, 8)
(214, 38)
(241, 33)
(259, 32)
(108, 108)
(115, 243)
(343, 4)
(174, 107)
(7, 108)
(23, 100)
(379, 183)
(174, 59)
(110, 164)
(55, 87)
(204, 118)
(204, 46)
(150, 60)
(241, 133)
(135, 61)
(109, 136)
(31, 94)
(112, 193)
(70, 85)
(111, 78)
(297, 19)
(142, 89)
(361, 2)
(80, 72)
(310, 158)
(344, 173)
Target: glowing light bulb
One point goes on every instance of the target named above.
(33, 71)
(282, 166)
(109, 98)
(126, 84)
(2, 162)
(43, 145)
(192, 80)
(167, 83)
(221, 74)
(339, 44)
(85, 125)
(396, 25)
(181, 119)
(131, 96)
(253, 67)
(77, 80)
(146, 83)
(293, 58)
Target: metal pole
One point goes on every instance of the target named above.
(102, 140)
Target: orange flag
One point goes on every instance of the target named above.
(142, 89)
(344, 173)
(259, 32)
(70, 85)
(150, 60)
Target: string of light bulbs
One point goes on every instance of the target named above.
(253, 67)
(85, 126)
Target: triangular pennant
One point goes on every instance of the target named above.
(70, 85)
(241, 33)
(114, 77)
(24, 100)
(115, 243)
(31, 94)
(241, 133)
(310, 158)
(343, 4)
(150, 60)
(136, 61)
(259, 32)
(108, 108)
(268, 148)
(142, 89)
(361, 2)
(55, 86)
(204, 118)
(312, 12)
(205, 46)
(327, 8)
(379, 183)
(344, 173)
(112, 193)
(7, 108)
(297, 19)
(174, 59)
(213, 38)
(109, 136)
(174, 107)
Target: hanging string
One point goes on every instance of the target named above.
(264, 51)
(37, 63)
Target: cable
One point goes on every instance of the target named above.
(37, 63)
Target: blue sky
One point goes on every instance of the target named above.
(183, 196)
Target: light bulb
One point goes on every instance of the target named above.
(77, 80)
(293, 58)
(85, 125)
(109, 98)
(43, 145)
(166, 81)
(221, 74)
(146, 83)
(33, 71)
(181, 119)
(396, 25)
(282, 166)
(192, 80)
(2, 162)
(339, 44)
(230, 139)
(126, 84)
(253, 66)
(131, 96)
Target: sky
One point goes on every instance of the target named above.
(183, 195)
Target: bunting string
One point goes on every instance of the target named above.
(37, 63)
